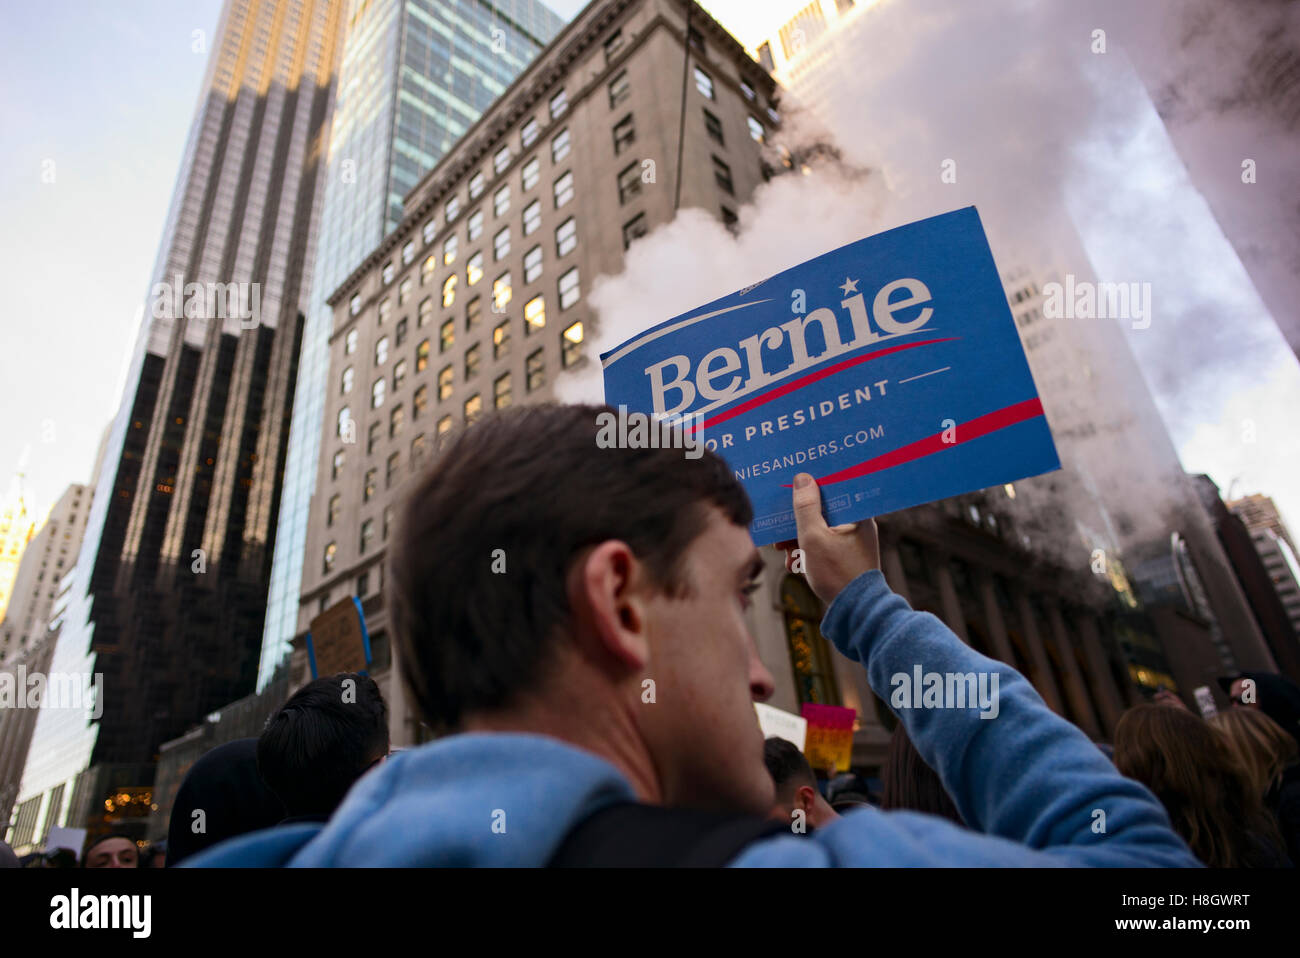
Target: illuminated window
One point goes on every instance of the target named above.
(535, 367)
(532, 264)
(501, 160)
(350, 343)
(420, 403)
(571, 345)
(756, 130)
(474, 225)
(377, 391)
(501, 244)
(560, 145)
(529, 132)
(427, 267)
(408, 252)
(559, 103)
(472, 361)
(372, 483)
(331, 551)
(566, 236)
(446, 378)
(354, 305)
(381, 351)
(569, 292)
(449, 290)
(501, 292)
(531, 173)
(344, 424)
(534, 315)
(337, 465)
(563, 189)
(501, 340)
(346, 386)
(474, 268)
(449, 246)
(426, 311)
(446, 335)
(473, 406)
(477, 184)
(399, 374)
(396, 421)
(385, 310)
(747, 90)
(501, 391)
(810, 655)
(422, 356)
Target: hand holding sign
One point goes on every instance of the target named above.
(833, 555)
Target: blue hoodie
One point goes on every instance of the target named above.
(1028, 783)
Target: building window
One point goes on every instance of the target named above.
(501, 160)
(426, 311)
(722, 175)
(377, 390)
(449, 246)
(747, 90)
(532, 217)
(534, 315)
(471, 362)
(388, 522)
(566, 236)
(535, 367)
(569, 292)
(363, 584)
(559, 104)
(501, 201)
(446, 335)
(385, 310)
(560, 145)
(419, 446)
(452, 210)
(810, 654)
(695, 40)
(420, 402)
(331, 552)
(396, 421)
(704, 83)
(446, 377)
(422, 356)
(501, 391)
(629, 182)
(399, 374)
(473, 406)
(501, 340)
(563, 189)
(531, 173)
(473, 313)
(350, 342)
(474, 225)
(501, 244)
(613, 43)
(474, 268)
(389, 272)
(337, 465)
(528, 133)
(430, 228)
(634, 228)
(444, 428)
(477, 184)
(399, 334)
(332, 516)
(773, 115)
(408, 252)
(714, 126)
(354, 305)
(427, 267)
(501, 292)
(381, 351)
(449, 291)
(756, 130)
(620, 88)
(393, 462)
(532, 264)
(367, 534)
(344, 424)
(571, 344)
(345, 386)
(372, 483)
(624, 134)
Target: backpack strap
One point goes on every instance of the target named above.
(635, 835)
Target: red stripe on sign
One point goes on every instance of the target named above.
(965, 432)
(802, 381)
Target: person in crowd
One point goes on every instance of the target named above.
(7, 857)
(597, 694)
(796, 787)
(1274, 695)
(1186, 764)
(221, 796)
(111, 851)
(912, 784)
(1271, 760)
(847, 791)
(329, 733)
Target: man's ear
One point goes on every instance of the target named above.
(607, 595)
(805, 797)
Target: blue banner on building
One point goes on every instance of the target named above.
(889, 368)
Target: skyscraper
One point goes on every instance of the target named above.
(171, 581)
(414, 76)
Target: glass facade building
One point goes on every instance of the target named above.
(415, 75)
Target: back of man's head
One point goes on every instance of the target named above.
(533, 554)
(796, 785)
(321, 741)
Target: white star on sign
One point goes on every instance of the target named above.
(850, 286)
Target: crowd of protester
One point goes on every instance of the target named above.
(635, 565)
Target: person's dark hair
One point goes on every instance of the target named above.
(93, 840)
(788, 767)
(478, 565)
(912, 784)
(321, 741)
(1190, 768)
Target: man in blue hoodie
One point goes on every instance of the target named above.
(573, 618)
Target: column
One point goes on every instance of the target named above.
(1074, 688)
(1112, 706)
(1046, 684)
(952, 613)
(993, 616)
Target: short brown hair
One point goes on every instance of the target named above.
(531, 482)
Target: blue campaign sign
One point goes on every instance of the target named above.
(889, 368)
